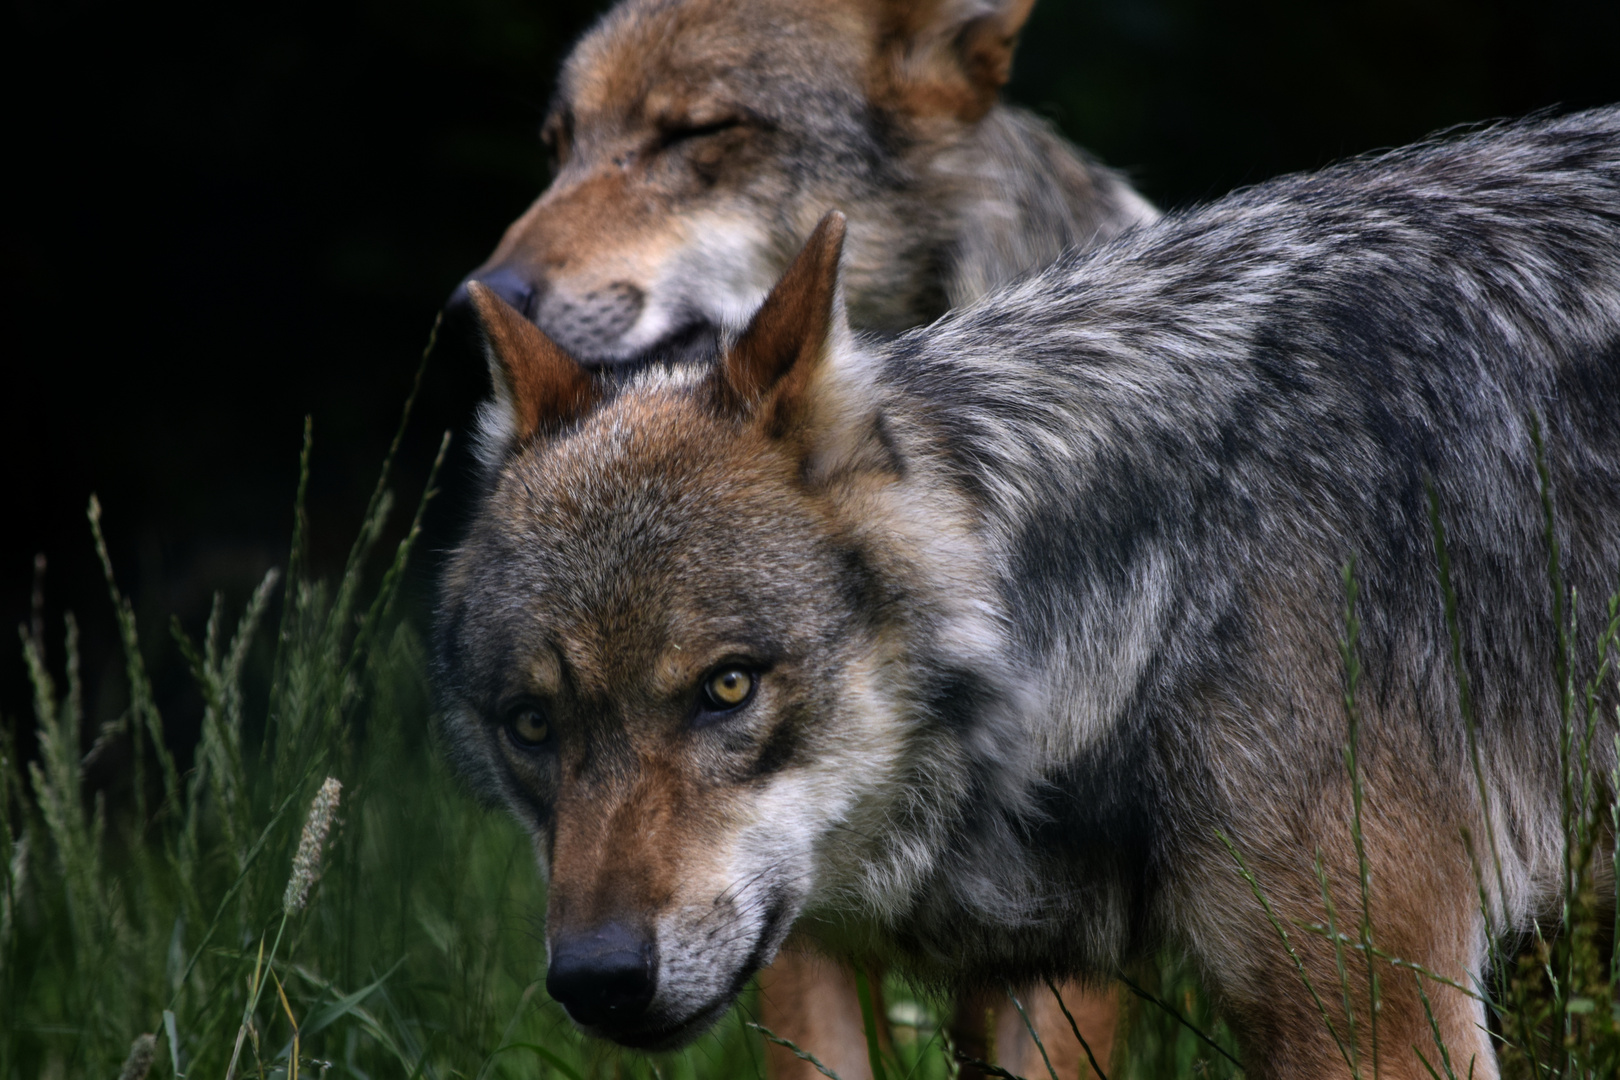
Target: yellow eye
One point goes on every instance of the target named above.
(528, 725)
(728, 688)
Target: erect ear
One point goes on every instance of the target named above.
(537, 385)
(949, 56)
(768, 369)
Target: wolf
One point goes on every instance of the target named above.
(695, 144)
(983, 649)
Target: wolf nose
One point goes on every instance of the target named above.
(510, 285)
(603, 975)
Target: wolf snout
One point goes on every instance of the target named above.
(592, 322)
(605, 975)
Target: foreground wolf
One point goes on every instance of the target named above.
(962, 647)
(697, 142)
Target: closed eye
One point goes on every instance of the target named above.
(674, 134)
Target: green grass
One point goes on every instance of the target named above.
(157, 926)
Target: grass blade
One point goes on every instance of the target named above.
(1074, 1027)
(794, 1049)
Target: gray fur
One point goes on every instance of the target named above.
(1089, 532)
(1249, 395)
(1016, 196)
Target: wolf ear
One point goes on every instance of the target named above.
(768, 369)
(950, 56)
(537, 385)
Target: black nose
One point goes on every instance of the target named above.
(509, 284)
(603, 975)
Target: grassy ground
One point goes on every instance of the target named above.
(210, 918)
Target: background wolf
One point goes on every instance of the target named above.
(695, 145)
(965, 646)
(697, 142)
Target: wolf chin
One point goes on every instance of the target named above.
(967, 647)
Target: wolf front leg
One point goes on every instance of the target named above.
(1095, 1012)
(810, 1000)
(1287, 1002)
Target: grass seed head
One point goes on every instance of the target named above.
(307, 863)
(142, 1052)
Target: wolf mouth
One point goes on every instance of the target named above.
(673, 1036)
(692, 340)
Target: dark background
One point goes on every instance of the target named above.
(226, 217)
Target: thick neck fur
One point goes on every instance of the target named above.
(1175, 444)
(1020, 196)
(976, 207)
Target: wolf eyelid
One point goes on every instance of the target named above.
(673, 134)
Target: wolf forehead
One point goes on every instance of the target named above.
(659, 54)
(651, 522)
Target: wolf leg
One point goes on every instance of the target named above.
(1423, 912)
(1095, 1012)
(810, 1000)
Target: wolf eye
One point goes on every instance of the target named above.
(728, 688)
(671, 134)
(527, 726)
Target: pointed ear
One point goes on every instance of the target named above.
(537, 385)
(951, 56)
(771, 362)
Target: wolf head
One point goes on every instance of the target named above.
(696, 142)
(720, 643)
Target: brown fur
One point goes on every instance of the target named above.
(773, 349)
(1415, 856)
(810, 1000)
